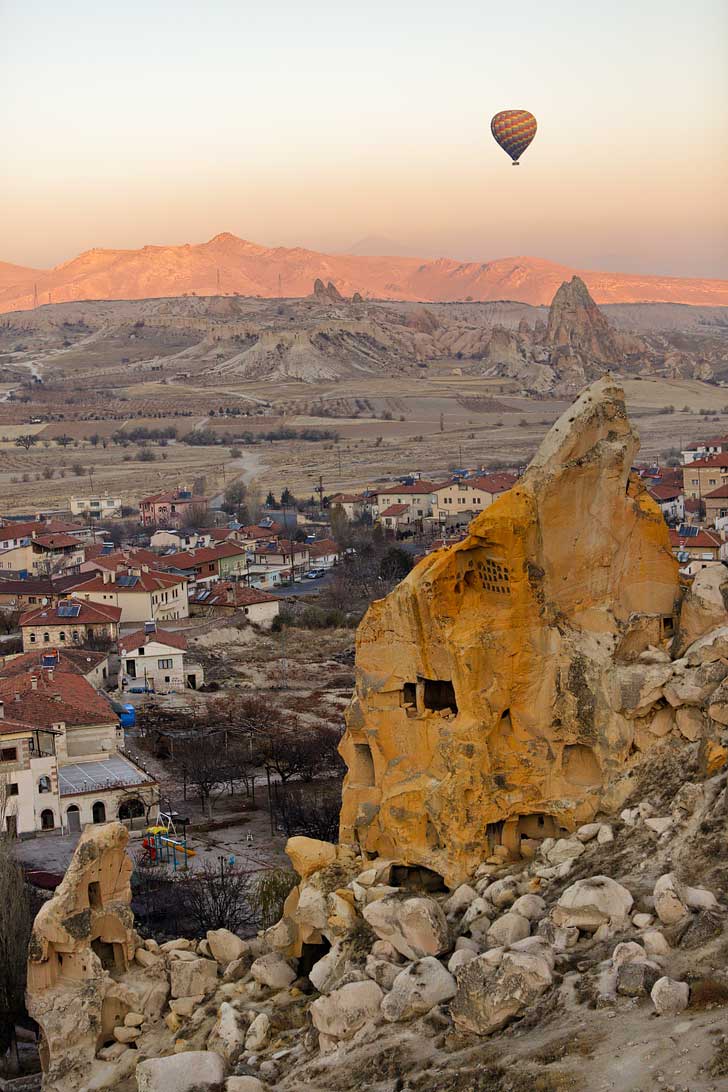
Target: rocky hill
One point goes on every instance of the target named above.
(230, 265)
(326, 336)
(530, 889)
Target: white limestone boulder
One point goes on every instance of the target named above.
(416, 926)
(417, 989)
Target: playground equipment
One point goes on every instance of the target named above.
(160, 848)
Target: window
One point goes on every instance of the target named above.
(46, 638)
(13, 788)
(164, 664)
(8, 754)
(74, 635)
(47, 820)
(44, 784)
(62, 636)
(32, 638)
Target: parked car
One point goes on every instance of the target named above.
(314, 574)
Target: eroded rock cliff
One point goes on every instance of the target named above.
(491, 708)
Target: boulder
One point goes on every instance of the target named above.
(704, 604)
(660, 825)
(258, 1031)
(628, 952)
(699, 898)
(326, 974)
(191, 979)
(509, 928)
(655, 943)
(415, 926)
(566, 849)
(193, 1071)
(381, 971)
(501, 893)
(224, 946)
(530, 906)
(488, 997)
(587, 832)
(244, 1084)
(460, 899)
(587, 904)
(636, 977)
(670, 997)
(669, 898)
(459, 958)
(309, 855)
(227, 1036)
(341, 1013)
(273, 970)
(417, 989)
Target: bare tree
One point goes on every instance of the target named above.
(218, 898)
(27, 441)
(204, 764)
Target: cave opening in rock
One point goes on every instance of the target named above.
(310, 955)
(438, 695)
(417, 878)
(94, 895)
(580, 765)
(361, 770)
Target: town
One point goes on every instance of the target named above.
(102, 616)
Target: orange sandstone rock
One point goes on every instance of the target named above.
(485, 706)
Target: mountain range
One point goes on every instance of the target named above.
(227, 265)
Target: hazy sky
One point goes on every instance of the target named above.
(320, 123)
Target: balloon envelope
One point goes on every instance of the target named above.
(513, 130)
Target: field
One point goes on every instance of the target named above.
(386, 390)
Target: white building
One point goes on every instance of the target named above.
(154, 659)
(99, 505)
(141, 593)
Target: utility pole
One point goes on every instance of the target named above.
(218, 280)
(280, 284)
(35, 295)
(320, 491)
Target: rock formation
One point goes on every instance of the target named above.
(576, 321)
(326, 293)
(498, 701)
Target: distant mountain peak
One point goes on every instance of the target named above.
(227, 265)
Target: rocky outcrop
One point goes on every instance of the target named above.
(486, 711)
(576, 321)
(326, 293)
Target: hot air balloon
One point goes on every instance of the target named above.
(513, 130)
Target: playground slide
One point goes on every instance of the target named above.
(178, 848)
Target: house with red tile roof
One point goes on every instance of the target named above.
(141, 594)
(416, 495)
(670, 499)
(94, 666)
(33, 591)
(695, 544)
(716, 504)
(153, 660)
(468, 496)
(705, 475)
(170, 509)
(61, 757)
(44, 554)
(208, 562)
(69, 622)
(232, 597)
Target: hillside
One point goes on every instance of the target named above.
(231, 266)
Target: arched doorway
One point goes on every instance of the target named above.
(47, 819)
(131, 809)
(99, 812)
(73, 817)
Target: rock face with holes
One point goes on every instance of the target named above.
(487, 708)
(83, 943)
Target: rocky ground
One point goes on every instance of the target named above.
(599, 964)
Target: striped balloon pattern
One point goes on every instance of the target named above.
(513, 130)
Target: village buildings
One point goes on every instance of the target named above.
(140, 593)
(70, 622)
(153, 659)
(170, 509)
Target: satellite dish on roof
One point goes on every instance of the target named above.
(44, 602)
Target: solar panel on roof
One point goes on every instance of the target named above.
(69, 610)
(203, 595)
(126, 581)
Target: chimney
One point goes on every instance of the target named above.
(106, 575)
(34, 682)
(17, 697)
(50, 674)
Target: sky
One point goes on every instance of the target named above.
(322, 123)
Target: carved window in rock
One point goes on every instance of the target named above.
(438, 695)
(361, 770)
(486, 575)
